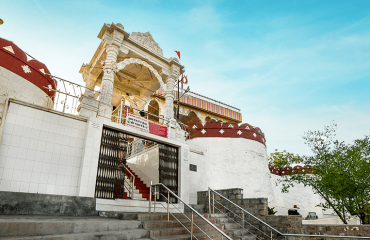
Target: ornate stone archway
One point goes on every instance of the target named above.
(124, 63)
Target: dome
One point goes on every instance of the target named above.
(15, 60)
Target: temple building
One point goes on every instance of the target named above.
(132, 125)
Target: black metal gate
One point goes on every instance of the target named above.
(168, 170)
(112, 158)
(111, 170)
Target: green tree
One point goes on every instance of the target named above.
(341, 172)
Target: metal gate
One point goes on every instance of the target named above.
(111, 166)
(168, 170)
(111, 171)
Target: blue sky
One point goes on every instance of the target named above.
(290, 66)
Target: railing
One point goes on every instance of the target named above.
(130, 183)
(193, 211)
(138, 146)
(119, 115)
(67, 94)
(211, 204)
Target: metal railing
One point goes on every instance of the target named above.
(211, 204)
(67, 94)
(119, 115)
(130, 182)
(193, 211)
(139, 146)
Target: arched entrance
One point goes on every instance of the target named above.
(153, 108)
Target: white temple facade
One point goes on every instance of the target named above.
(125, 133)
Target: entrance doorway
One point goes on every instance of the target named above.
(128, 163)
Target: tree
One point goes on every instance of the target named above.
(341, 172)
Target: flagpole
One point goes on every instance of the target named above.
(178, 90)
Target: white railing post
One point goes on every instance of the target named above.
(209, 201)
(192, 223)
(120, 113)
(133, 185)
(168, 206)
(150, 196)
(243, 224)
(155, 196)
(213, 203)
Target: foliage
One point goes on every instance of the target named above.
(271, 211)
(341, 172)
(283, 159)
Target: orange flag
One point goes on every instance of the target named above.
(178, 53)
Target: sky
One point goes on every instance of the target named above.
(290, 66)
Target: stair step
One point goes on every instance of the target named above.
(212, 235)
(106, 235)
(162, 232)
(171, 224)
(49, 225)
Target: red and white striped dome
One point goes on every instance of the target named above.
(15, 60)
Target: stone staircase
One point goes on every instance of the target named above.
(160, 228)
(229, 225)
(116, 225)
(141, 190)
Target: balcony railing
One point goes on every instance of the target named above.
(119, 115)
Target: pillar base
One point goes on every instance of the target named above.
(105, 110)
(89, 106)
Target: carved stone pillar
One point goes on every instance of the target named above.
(106, 89)
(169, 91)
(169, 96)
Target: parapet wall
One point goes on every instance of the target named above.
(226, 130)
(16, 203)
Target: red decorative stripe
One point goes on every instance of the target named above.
(14, 63)
(280, 171)
(213, 129)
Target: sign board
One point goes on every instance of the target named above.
(158, 129)
(137, 122)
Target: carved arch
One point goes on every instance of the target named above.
(124, 63)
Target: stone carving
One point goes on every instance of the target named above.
(147, 41)
(106, 92)
(124, 63)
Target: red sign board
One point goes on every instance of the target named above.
(157, 129)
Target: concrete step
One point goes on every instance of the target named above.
(221, 219)
(106, 235)
(200, 236)
(144, 216)
(45, 225)
(231, 225)
(200, 208)
(246, 237)
(162, 232)
(172, 224)
(133, 205)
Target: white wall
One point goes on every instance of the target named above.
(299, 195)
(241, 163)
(229, 163)
(146, 165)
(40, 152)
(19, 88)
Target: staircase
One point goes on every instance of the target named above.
(69, 228)
(228, 223)
(159, 228)
(141, 191)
